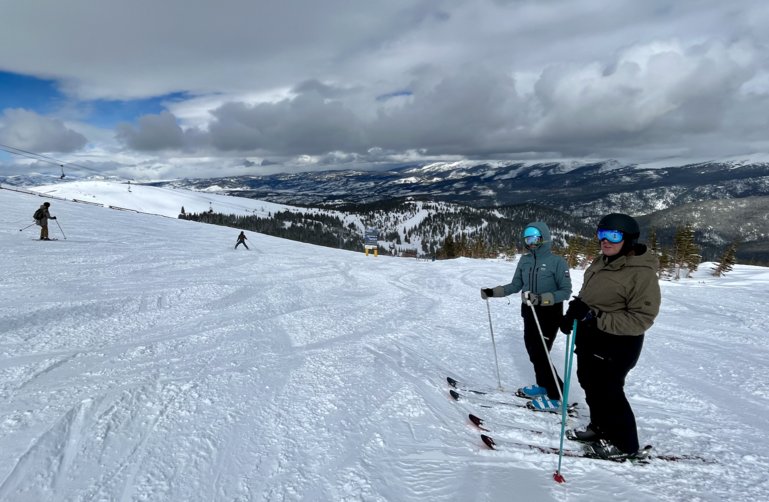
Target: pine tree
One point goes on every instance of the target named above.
(653, 240)
(686, 254)
(581, 251)
(479, 248)
(461, 246)
(448, 249)
(665, 264)
(728, 259)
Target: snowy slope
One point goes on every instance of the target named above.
(169, 201)
(143, 358)
(156, 200)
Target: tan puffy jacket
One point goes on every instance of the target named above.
(626, 292)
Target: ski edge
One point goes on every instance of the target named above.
(648, 454)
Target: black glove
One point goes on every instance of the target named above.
(566, 325)
(487, 293)
(53, 217)
(579, 310)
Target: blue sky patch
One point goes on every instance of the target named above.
(43, 97)
(35, 94)
(108, 113)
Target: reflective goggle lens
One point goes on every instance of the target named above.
(532, 239)
(613, 236)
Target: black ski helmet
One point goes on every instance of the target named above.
(622, 222)
(625, 224)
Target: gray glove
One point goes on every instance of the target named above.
(544, 299)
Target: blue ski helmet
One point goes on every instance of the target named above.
(532, 237)
(531, 232)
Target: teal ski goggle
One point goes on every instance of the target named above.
(613, 236)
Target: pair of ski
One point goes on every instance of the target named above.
(644, 455)
(488, 398)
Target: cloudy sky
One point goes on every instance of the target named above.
(147, 89)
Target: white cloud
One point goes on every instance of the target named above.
(485, 78)
(649, 91)
(29, 131)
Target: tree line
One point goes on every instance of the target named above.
(452, 231)
(313, 228)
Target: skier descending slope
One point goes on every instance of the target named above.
(619, 300)
(545, 283)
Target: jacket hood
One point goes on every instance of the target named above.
(547, 243)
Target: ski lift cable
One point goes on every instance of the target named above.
(33, 156)
(61, 164)
(30, 155)
(44, 158)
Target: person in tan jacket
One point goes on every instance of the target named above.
(618, 302)
(42, 221)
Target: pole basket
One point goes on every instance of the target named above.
(558, 477)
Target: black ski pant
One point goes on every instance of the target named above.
(549, 320)
(603, 362)
(239, 243)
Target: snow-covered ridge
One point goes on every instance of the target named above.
(157, 200)
(166, 201)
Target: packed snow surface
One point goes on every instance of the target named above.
(143, 358)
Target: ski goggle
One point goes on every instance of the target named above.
(613, 236)
(532, 239)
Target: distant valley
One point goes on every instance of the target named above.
(724, 201)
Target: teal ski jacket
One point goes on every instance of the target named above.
(540, 271)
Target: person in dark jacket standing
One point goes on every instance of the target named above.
(42, 221)
(241, 240)
(618, 302)
(545, 283)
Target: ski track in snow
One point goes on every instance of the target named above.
(144, 359)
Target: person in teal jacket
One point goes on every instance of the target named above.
(543, 280)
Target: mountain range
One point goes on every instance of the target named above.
(723, 201)
(581, 188)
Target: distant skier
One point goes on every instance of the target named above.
(544, 281)
(618, 302)
(241, 240)
(41, 217)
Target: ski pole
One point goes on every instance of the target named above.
(62, 231)
(493, 344)
(27, 227)
(569, 361)
(544, 346)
